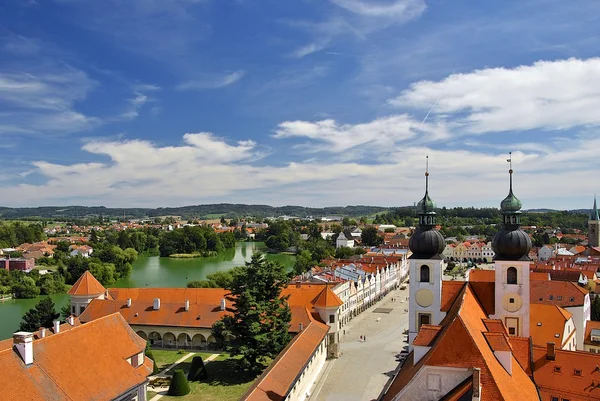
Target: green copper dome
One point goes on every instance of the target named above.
(511, 203)
(426, 205)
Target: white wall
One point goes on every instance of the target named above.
(581, 315)
(304, 385)
(432, 383)
(435, 286)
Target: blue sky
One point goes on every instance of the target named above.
(307, 102)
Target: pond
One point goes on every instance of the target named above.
(151, 271)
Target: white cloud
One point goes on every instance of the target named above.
(379, 135)
(399, 9)
(213, 82)
(44, 102)
(550, 95)
(207, 169)
(309, 49)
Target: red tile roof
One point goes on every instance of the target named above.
(87, 362)
(547, 324)
(572, 375)
(590, 325)
(276, 382)
(482, 275)
(327, 299)
(563, 293)
(87, 285)
(426, 335)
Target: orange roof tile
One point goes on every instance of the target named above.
(497, 341)
(572, 375)
(426, 335)
(482, 275)
(547, 324)
(450, 290)
(590, 325)
(87, 285)
(561, 293)
(67, 367)
(327, 299)
(276, 382)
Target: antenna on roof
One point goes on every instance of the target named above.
(510, 170)
(426, 173)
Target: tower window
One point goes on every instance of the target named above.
(424, 274)
(424, 318)
(511, 300)
(511, 275)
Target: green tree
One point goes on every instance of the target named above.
(304, 262)
(596, 308)
(370, 237)
(260, 316)
(63, 246)
(41, 315)
(65, 311)
(197, 370)
(26, 288)
(179, 385)
(150, 355)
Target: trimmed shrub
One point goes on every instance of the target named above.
(150, 355)
(179, 384)
(197, 370)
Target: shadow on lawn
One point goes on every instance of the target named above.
(227, 373)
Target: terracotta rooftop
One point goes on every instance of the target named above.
(276, 382)
(327, 299)
(561, 293)
(465, 321)
(591, 325)
(426, 335)
(572, 375)
(547, 324)
(497, 341)
(87, 285)
(67, 365)
(482, 275)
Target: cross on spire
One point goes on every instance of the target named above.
(426, 174)
(510, 170)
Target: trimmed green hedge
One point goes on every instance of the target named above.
(197, 370)
(179, 384)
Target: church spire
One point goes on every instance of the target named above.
(426, 206)
(511, 205)
(595, 215)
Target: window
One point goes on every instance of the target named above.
(424, 318)
(551, 297)
(572, 299)
(557, 369)
(554, 398)
(511, 300)
(331, 318)
(512, 331)
(424, 274)
(559, 298)
(511, 275)
(541, 299)
(577, 372)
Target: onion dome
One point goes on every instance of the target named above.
(426, 242)
(511, 243)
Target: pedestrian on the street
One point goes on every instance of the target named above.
(361, 338)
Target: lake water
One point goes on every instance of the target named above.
(150, 271)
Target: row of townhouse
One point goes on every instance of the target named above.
(466, 251)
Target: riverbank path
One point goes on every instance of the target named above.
(366, 366)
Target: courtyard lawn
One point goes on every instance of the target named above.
(225, 382)
(150, 395)
(165, 358)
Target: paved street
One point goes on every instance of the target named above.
(364, 367)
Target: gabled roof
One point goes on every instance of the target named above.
(461, 343)
(426, 335)
(277, 380)
(547, 324)
(86, 362)
(591, 325)
(561, 293)
(327, 299)
(572, 375)
(87, 285)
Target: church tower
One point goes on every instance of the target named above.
(512, 246)
(594, 227)
(426, 267)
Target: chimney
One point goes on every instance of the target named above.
(23, 342)
(156, 305)
(187, 305)
(223, 304)
(301, 327)
(42, 332)
(71, 320)
(476, 384)
(56, 326)
(550, 351)
(129, 302)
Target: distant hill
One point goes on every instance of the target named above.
(187, 212)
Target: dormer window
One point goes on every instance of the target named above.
(557, 369)
(577, 372)
(511, 275)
